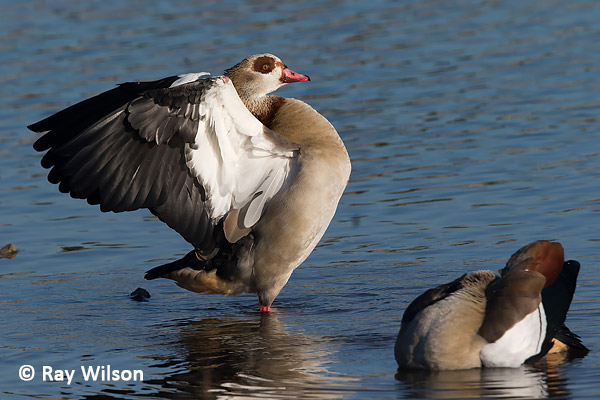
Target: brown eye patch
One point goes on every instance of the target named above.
(264, 64)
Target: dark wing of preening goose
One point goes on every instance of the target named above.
(184, 147)
(556, 299)
(510, 298)
(517, 292)
(430, 297)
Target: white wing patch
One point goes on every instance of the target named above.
(237, 159)
(518, 343)
(188, 78)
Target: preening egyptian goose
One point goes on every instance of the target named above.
(251, 180)
(485, 320)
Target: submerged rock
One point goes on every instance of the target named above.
(139, 294)
(8, 251)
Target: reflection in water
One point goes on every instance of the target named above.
(254, 357)
(524, 382)
(545, 379)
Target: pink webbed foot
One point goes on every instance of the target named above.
(264, 309)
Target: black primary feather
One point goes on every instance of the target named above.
(124, 150)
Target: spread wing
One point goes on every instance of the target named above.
(184, 147)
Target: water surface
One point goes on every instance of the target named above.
(472, 128)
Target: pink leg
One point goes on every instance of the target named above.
(264, 309)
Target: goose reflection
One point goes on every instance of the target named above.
(252, 356)
(541, 381)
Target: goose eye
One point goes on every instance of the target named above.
(266, 67)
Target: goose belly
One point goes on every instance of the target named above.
(293, 224)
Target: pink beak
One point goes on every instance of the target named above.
(290, 76)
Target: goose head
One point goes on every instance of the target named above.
(256, 76)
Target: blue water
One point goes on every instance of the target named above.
(473, 129)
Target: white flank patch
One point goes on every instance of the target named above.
(518, 343)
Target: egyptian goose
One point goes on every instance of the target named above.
(251, 180)
(485, 320)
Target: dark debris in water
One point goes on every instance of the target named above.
(139, 294)
(8, 251)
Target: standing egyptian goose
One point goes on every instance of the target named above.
(485, 320)
(251, 180)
